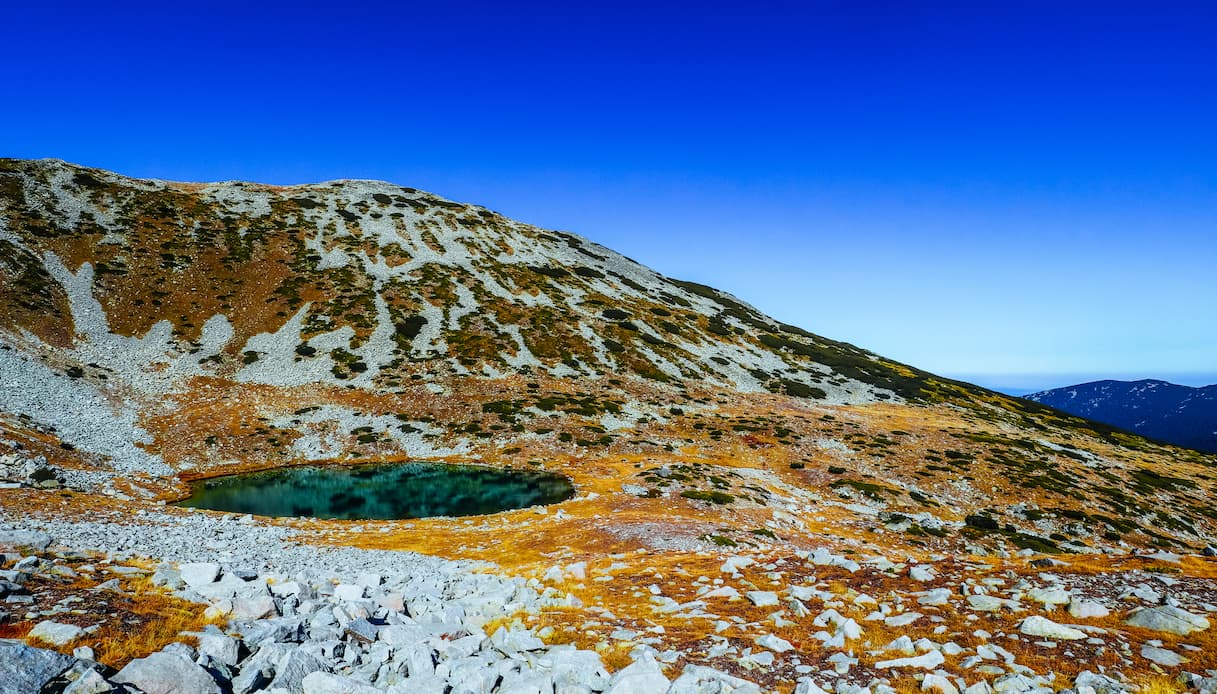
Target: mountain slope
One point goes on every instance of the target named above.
(362, 283)
(155, 334)
(162, 330)
(1181, 415)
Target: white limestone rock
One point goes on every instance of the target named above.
(774, 643)
(1173, 620)
(926, 661)
(1161, 656)
(1048, 629)
(55, 633)
(1087, 609)
(199, 573)
(643, 676)
(167, 673)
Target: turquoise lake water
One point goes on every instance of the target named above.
(381, 491)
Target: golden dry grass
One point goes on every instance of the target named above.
(139, 620)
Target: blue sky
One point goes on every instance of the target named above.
(1024, 194)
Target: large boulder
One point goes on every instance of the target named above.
(223, 649)
(199, 573)
(1172, 620)
(33, 539)
(167, 673)
(25, 669)
(294, 667)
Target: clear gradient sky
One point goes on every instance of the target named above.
(1023, 194)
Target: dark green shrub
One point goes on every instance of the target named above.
(714, 497)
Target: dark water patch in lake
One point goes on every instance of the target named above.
(381, 491)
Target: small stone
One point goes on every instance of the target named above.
(938, 683)
(1046, 628)
(55, 633)
(89, 682)
(762, 598)
(774, 643)
(938, 596)
(926, 661)
(1161, 656)
(1049, 596)
(989, 603)
(348, 591)
(1087, 609)
(362, 630)
(903, 619)
(326, 683)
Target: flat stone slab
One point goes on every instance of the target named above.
(55, 633)
(1161, 656)
(1048, 629)
(1172, 620)
(926, 661)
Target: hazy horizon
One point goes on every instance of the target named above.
(1023, 384)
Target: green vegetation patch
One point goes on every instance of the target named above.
(714, 497)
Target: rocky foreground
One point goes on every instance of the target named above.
(286, 617)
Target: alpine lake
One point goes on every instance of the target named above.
(378, 491)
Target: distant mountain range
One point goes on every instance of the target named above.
(1168, 412)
